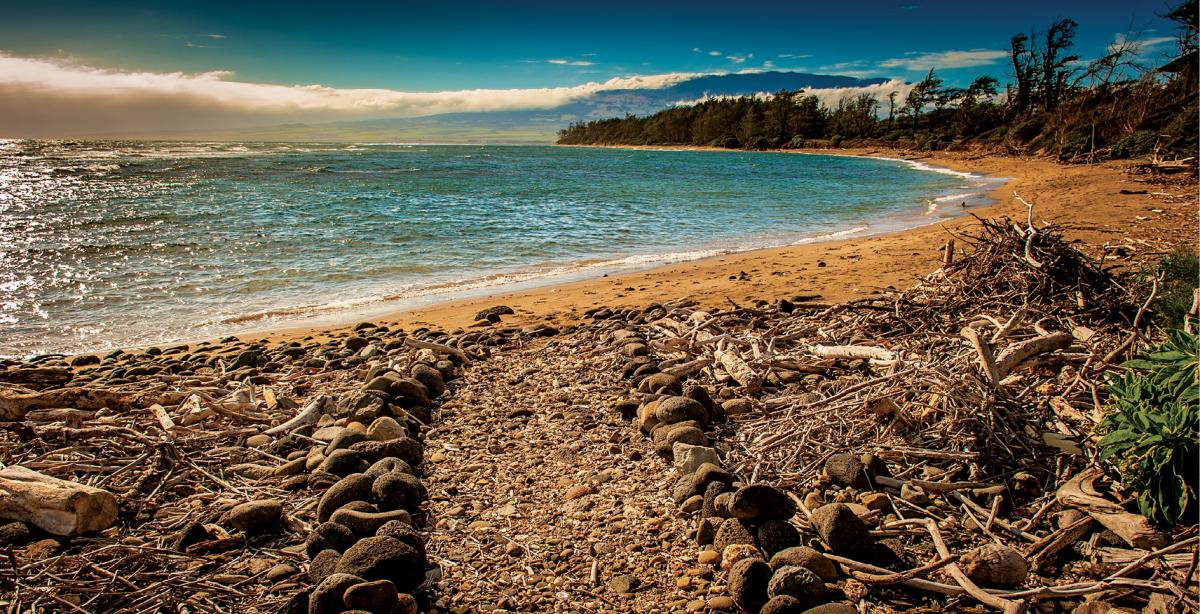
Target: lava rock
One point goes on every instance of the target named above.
(759, 502)
(800, 583)
(776, 535)
(406, 449)
(323, 565)
(398, 491)
(256, 516)
(832, 608)
(782, 604)
(378, 596)
(679, 434)
(679, 409)
(748, 580)
(995, 565)
(384, 558)
(342, 463)
(366, 523)
(843, 531)
(14, 533)
(732, 532)
(385, 428)
(660, 383)
(846, 469)
(328, 536)
(430, 378)
(803, 556)
(390, 465)
(404, 532)
(354, 487)
(326, 598)
(710, 496)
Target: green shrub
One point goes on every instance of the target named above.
(1140, 143)
(1152, 428)
(797, 142)
(1180, 272)
(835, 141)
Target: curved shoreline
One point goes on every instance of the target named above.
(832, 270)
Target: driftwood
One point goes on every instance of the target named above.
(309, 415)
(738, 369)
(853, 352)
(37, 376)
(1012, 356)
(983, 351)
(1080, 491)
(437, 347)
(56, 506)
(14, 405)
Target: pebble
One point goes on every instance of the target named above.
(256, 516)
(995, 565)
(624, 584)
(709, 557)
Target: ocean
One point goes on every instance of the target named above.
(121, 244)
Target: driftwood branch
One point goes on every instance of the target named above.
(309, 415)
(56, 506)
(1080, 491)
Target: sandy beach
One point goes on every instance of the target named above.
(1100, 206)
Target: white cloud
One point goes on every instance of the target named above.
(52, 97)
(797, 56)
(572, 62)
(214, 35)
(697, 50)
(946, 59)
(830, 96)
(736, 59)
(1142, 44)
(714, 53)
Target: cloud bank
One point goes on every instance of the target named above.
(50, 98)
(946, 59)
(830, 96)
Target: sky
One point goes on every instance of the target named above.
(69, 67)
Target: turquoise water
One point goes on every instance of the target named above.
(117, 244)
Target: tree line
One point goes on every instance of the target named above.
(1114, 106)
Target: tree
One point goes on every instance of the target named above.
(921, 95)
(1024, 58)
(1057, 62)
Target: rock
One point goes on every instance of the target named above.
(759, 502)
(280, 571)
(378, 596)
(384, 558)
(692, 505)
(408, 391)
(354, 487)
(342, 463)
(720, 602)
(624, 584)
(846, 469)
(345, 438)
(783, 604)
(803, 556)
(875, 501)
(326, 598)
(660, 383)
(430, 378)
(709, 557)
(843, 531)
(776, 535)
(748, 581)
(704, 475)
(738, 407)
(398, 491)
(253, 471)
(404, 532)
(914, 495)
(736, 552)
(577, 491)
(258, 441)
(1102, 607)
(256, 516)
(800, 583)
(14, 533)
(328, 536)
(390, 465)
(689, 457)
(366, 524)
(995, 565)
(355, 343)
(323, 565)
(385, 428)
(700, 395)
(721, 504)
(678, 434)
(406, 449)
(406, 604)
(679, 409)
(710, 495)
(832, 608)
(248, 358)
(706, 530)
(732, 532)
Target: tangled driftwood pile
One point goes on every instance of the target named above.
(955, 418)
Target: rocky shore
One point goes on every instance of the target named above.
(929, 449)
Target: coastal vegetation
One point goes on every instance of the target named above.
(1114, 106)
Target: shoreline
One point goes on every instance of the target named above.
(830, 271)
(826, 270)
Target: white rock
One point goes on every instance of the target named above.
(688, 457)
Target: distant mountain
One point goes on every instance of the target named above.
(541, 125)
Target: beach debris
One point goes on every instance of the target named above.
(58, 507)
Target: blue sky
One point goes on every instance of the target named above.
(463, 45)
(71, 68)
